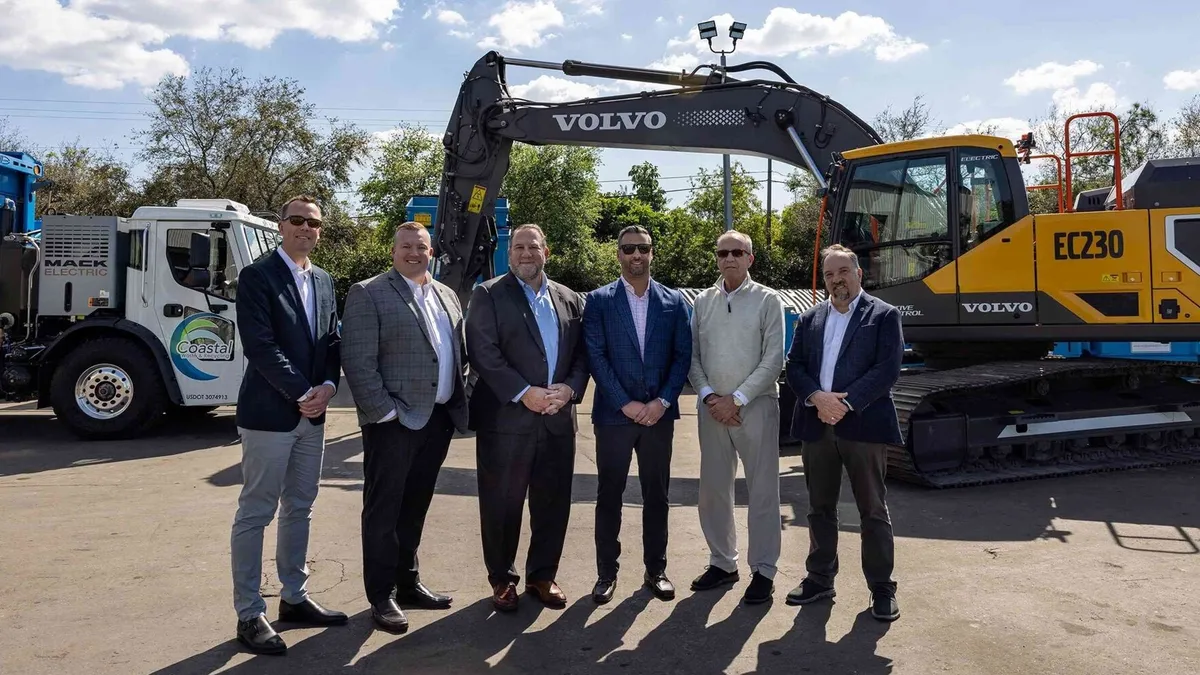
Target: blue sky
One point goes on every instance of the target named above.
(79, 68)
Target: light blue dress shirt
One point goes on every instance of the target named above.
(547, 322)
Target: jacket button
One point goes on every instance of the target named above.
(435, 359)
(434, 385)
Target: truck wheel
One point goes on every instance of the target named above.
(107, 388)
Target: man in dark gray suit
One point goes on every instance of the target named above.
(287, 320)
(525, 341)
(845, 357)
(403, 355)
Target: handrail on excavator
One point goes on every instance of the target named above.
(1115, 152)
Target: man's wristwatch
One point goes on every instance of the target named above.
(665, 403)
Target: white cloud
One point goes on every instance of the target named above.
(107, 44)
(522, 24)
(551, 89)
(1004, 127)
(1051, 75)
(626, 36)
(1098, 95)
(1182, 80)
(589, 6)
(254, 23)
(451, 18)
(787, 31)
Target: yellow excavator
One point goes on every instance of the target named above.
(943, 230)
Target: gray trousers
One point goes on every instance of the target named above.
(866, 466)
(756, 441)
(279, 470)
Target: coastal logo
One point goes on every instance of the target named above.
(200, 338)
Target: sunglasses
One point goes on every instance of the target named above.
(314, 223)
(725, 253)
(628, 249)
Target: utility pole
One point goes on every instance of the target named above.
(708, 31)
(768, 202)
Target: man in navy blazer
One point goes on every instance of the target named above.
(639, 344)
(844, 359)
(288, 322)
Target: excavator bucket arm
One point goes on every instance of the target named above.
(780, 120)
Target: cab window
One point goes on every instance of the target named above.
(896, 216)
(202, 260)
(985, 200)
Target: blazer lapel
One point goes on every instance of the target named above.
(443, 294)
(626, 314)
(560, 309)
(410, 301)
(818, 334)
(855, 319)
(517, 292)
(324, 306)
(289, 281)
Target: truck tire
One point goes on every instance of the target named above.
(107, 388)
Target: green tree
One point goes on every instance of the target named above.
(557, 187)
(409, 163)
(646, 187)
(349, 250)
(85, 181)
(220, 135)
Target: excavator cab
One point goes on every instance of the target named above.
(943, 230)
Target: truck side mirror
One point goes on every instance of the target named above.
(8, 216)
(199, 256)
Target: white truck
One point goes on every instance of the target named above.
(118, 322)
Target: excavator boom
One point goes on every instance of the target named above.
(713, 114)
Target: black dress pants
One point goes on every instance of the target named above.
(866, 466)
(510, 466)
(401, 467)
(615, 445)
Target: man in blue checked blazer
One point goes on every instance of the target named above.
(844, 359)
(639, 344)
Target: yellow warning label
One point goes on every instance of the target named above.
(1110, 279)
(476, 203)
(423, 218)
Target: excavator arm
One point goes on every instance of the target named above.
(710, 113)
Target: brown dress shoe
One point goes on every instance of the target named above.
(504, 596)
(548, 592)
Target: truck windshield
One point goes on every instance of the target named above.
(260, 241)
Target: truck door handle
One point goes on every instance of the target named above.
(219, 308)
(173, 310)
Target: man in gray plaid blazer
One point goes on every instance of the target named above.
(404, 359)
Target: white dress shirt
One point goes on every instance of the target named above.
(303, 276)
(835, 329)
(440, 336)
(639, 307)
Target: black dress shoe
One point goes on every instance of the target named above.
(660, 586)
(884, 607)
(422, 597)
(759, 590)
(387, 615)
(309, 612)
(713, 577)
(603, 591)
(259, 637)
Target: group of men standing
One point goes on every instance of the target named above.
(512, 368)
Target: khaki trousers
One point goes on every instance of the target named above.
(756, 442)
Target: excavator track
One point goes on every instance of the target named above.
(1019, 420)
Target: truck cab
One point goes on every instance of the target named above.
(121, 320)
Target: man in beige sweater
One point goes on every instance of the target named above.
(737, 357)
